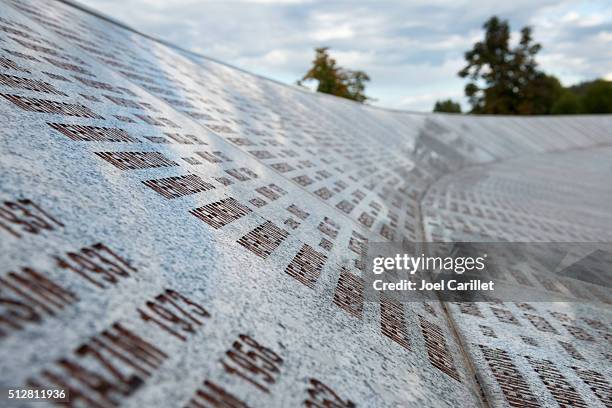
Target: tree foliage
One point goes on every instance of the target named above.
(568, 103)
(598, 97)
(447, 106)
(587, 97)
(505, 79)
(540, 95)
(335, 80)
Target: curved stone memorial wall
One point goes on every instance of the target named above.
(176, 232)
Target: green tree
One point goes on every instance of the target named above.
(586, 97)
(505, 79)
(356, 85)
(447, 106)
(598, 97)
(540, 96)
(335, 80)
(568, 103)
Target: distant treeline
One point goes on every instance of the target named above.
(586, 97)
(506, 80)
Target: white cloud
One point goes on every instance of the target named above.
(411, 50)
(605, 36)
(333, 33)
(277, 1)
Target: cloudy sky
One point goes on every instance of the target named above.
(411, 49)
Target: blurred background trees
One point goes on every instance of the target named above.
(503, 79)
(447, 106)
(506, 80)
(335, 80)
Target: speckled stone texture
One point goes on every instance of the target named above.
(175, 232)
